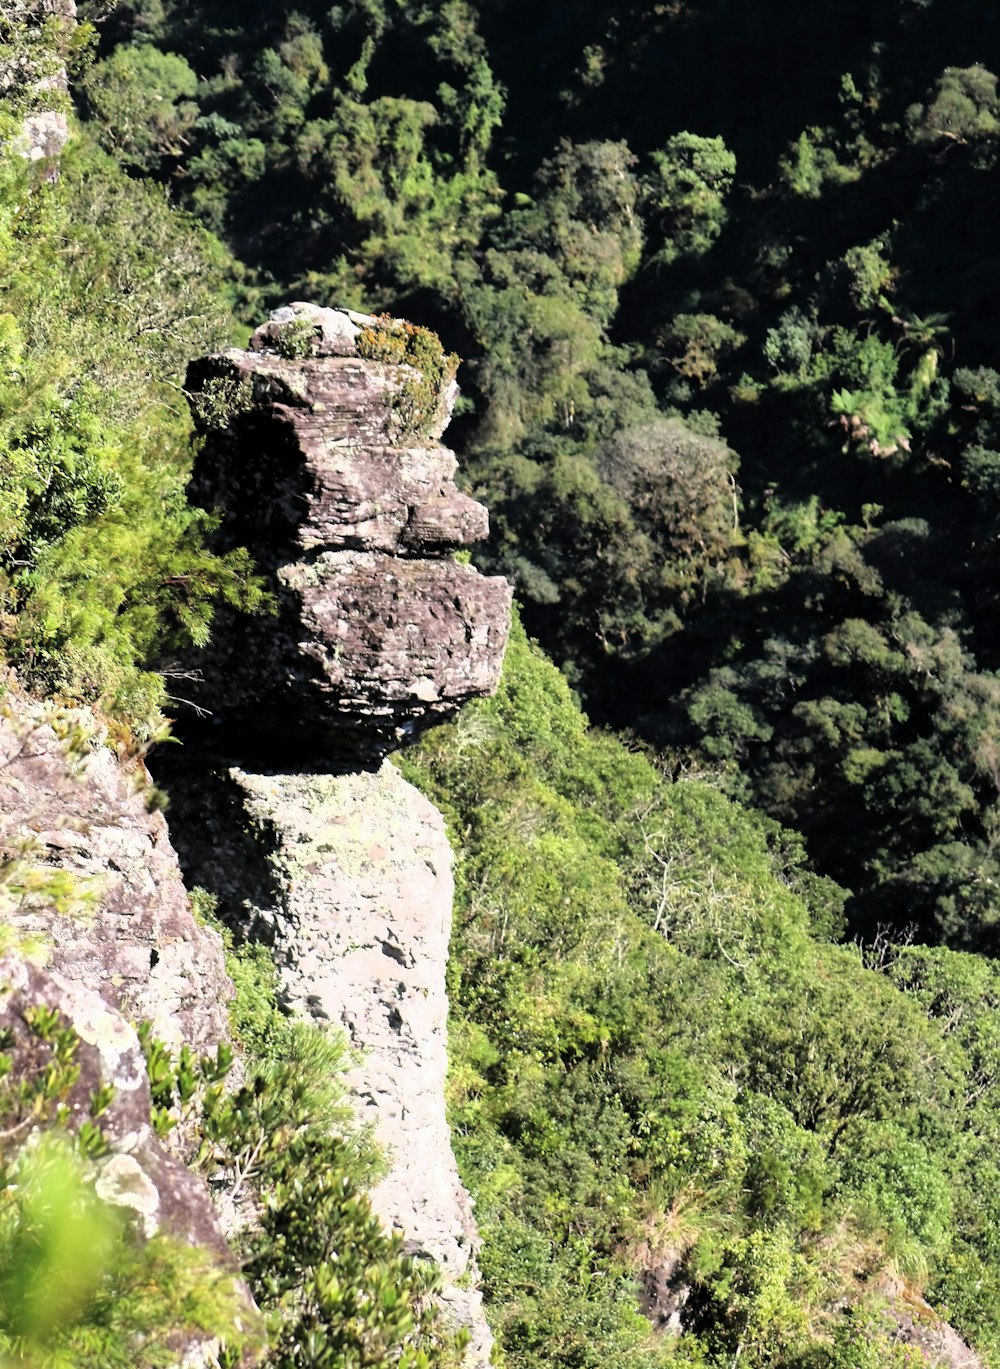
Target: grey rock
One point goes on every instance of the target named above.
(44, 135)
(45, 131)
(334, 332)
(914, 1322)
(349, 878)
(663, 1287)
(378, 632)
(128, 929)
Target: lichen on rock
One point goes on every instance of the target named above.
(320, 454)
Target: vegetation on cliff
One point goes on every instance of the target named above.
(664, 1061)
(723, 276)
(106, 292)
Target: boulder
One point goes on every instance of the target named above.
(320, 454)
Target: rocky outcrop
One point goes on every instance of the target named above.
(93, 881)
(914, 1322)
(136, 1173)
(320, 455)
(664, 1289)
(33, 72)
(348, 878)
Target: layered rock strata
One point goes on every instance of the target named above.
(320, 454)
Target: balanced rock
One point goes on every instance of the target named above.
(320, 454)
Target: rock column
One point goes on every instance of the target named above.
(321, 454)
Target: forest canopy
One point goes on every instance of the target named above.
(653, 251)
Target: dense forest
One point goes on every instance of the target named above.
(723, 279)
(722, 276)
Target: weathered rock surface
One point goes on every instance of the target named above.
(138, 1174)
(664, 1289)
(909, 1319)
(313, 464)
(127, 929)
(916, 1323)
(349, 878)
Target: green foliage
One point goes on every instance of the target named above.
(651, 1033)
(811, 165)
(577, 226)
(143, 104)
(78, 1285)
(418, 405)
(686, 192)
(619, 546)
(78, 1290)
(336, 1290)
(964, 107)
(699, 342)
(101, 560)
(35, 46)
(655, 1050)
(342, 1292)
(387, 159)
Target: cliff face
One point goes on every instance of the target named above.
(96, 926)
(33, 73)
(348, 878)
(67, 809)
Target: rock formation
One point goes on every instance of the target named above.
(97, 925)
(348, 878)
(320, 453)
(67, 809)
(914, 1322)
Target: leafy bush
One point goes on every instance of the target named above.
(102, 563)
